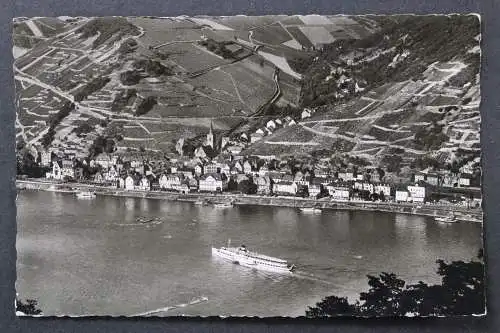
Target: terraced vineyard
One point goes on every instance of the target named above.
(393, 115)
(374, 86)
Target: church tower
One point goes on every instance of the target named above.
(210, 136)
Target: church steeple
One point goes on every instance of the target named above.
(210, 136)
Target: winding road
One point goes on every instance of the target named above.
(274, 97)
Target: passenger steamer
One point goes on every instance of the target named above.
(241, 256)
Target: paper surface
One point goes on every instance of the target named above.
(343, 151)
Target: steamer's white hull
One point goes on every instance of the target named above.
(241, 258)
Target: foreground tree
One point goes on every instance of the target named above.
(29, 308)
(333, 306)
(461, 292)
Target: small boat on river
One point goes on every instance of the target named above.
(241, 256)
(85, 195)
(311, 210)
(200, 202)
(446, 219)
(223, 205)
(146, 220)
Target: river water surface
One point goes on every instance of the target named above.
(91, 257)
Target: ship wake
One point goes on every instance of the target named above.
(194, 301)
(137, 224)
(299, 274)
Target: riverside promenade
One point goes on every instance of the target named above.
(462, 213)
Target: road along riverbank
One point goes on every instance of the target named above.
(461, 213)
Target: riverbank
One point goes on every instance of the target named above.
(460, 212)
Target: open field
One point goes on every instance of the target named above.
(192, 57)
(246, 23)
(290, 90)
(253, 83)
(274, 35)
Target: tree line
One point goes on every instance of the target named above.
(461, 292)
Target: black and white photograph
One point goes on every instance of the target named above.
(249, 166)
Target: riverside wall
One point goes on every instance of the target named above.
(460, 212)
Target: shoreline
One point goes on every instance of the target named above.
(463, 214)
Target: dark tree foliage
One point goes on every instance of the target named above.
(28, 308)
(281, 111)
(152, 67)
(374, 197)
(83, 128)
(190, 145)
(114, 131)
(123, 99)
(323, 192)
(247, 187)
(384, 298)
(302, 191)
(130, 78)
(321, 153)
(232, 185)
(20, 144)
(461, 292)
(161, 55)
(301, 64)
(24, 41)
(468, 74)
(54, 120)
(91, 87)
(381, 173)
(101, 145)
(28, 165)
(218, 48)
(392, 162)
(431, 137)
(107, 27)
(452, 37)
(145, 105)
(358, 161)
(127, 46)
(364, 194)
(462, 157)
(332, 306)
(425, 162)
(466, 101)
(48, 137)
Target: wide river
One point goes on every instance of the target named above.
(91, 257)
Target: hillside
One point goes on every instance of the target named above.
(143, 77)
(397, 92)
(388, 89)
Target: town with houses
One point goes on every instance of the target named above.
(232, 172)
(306, 106)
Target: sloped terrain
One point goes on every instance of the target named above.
(27, 32)
(127, 73)
(411, 89)
(375, 86)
